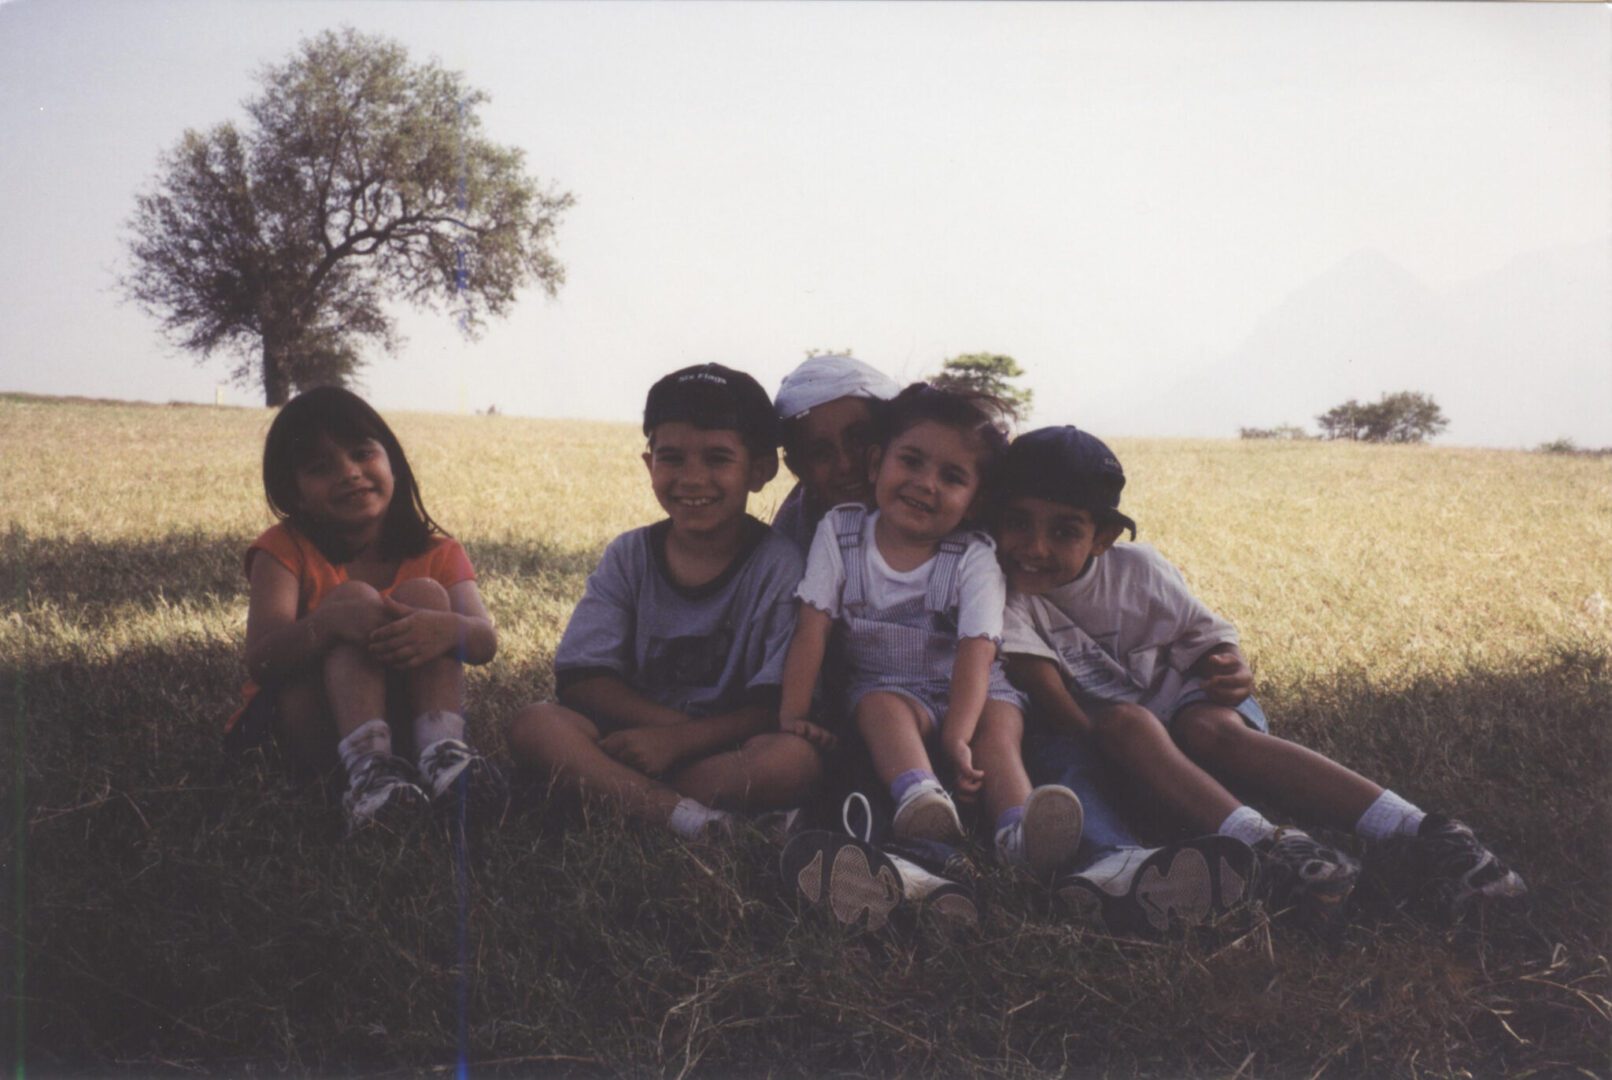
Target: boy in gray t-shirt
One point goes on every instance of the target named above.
(668, 672)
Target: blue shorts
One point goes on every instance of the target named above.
(1249, 710)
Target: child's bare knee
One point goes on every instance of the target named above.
(786, 753)
(537, 727)
(349, 592)
(1120, 723)
(1208, 730)
(422, 593)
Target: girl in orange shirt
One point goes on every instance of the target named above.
(363, 613)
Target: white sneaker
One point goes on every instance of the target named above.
(455, 775)
(926, 812)
(381, 788)
(1143, 892)
(1044, 840)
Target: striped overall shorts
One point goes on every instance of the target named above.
(910, 647)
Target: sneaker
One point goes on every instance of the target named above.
(1303, 873)
(1044, 840)
(926, 812)
(381, 789)
(843, 877)
(455, 775)
(939, 877)
(1142, 892)
(1443, 871)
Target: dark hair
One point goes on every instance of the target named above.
(973, 412)
(714, 398)
(345, 418)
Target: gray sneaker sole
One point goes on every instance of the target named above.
(846, 879)
(1052, 821)
(1185, 885)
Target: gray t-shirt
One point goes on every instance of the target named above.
(1125, 630)
(701, 651)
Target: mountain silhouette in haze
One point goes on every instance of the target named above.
(1514, 357)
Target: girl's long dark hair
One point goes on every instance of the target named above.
(345, 418)
(975, 412)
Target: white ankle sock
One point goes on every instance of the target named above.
(1248, 825)
(1389, 816)
(690, 818)
(370, 737)
(436, 725)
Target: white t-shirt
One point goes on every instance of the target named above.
(982, 589)
(1125, 630)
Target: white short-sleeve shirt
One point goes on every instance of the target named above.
(982, 590)
(1125, 630)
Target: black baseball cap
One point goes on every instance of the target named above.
(714, 398)
(1065, 465)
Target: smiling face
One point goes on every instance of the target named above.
(926, 480)
(702, 479)
(830, 447)
(1043, 544)
(345, 486)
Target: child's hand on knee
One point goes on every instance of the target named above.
(352, 621)
(968, 779)
(1226, 678)
(820, 737)
(413, 636)
(650, 750)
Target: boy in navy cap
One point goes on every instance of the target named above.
(1109, 643)
(668, 672)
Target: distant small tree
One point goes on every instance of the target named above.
(1283, 432)
(814, 352)
(1403, 417)
(987, 373)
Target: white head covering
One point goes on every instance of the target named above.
(824, 378)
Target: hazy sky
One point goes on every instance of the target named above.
(1120, 196)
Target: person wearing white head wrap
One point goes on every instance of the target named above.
(821, 379)
(828, 408)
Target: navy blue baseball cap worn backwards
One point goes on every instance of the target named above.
(1069, 466)
(714, 398)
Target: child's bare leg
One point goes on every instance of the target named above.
(1137, 741)
(355, 684)
(893, 728)
(998, 753)
(436, 690)
(1308, 784)
(303, 726)
(1040, 833)
(566, 743)
(768, 772)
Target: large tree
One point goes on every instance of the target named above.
(358, 177)
(989, 373)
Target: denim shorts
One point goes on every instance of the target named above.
(1249, 710)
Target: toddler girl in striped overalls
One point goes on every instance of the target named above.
(917, 599)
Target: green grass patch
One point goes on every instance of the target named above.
(1436, 618)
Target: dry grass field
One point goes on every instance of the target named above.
(1438, 618)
